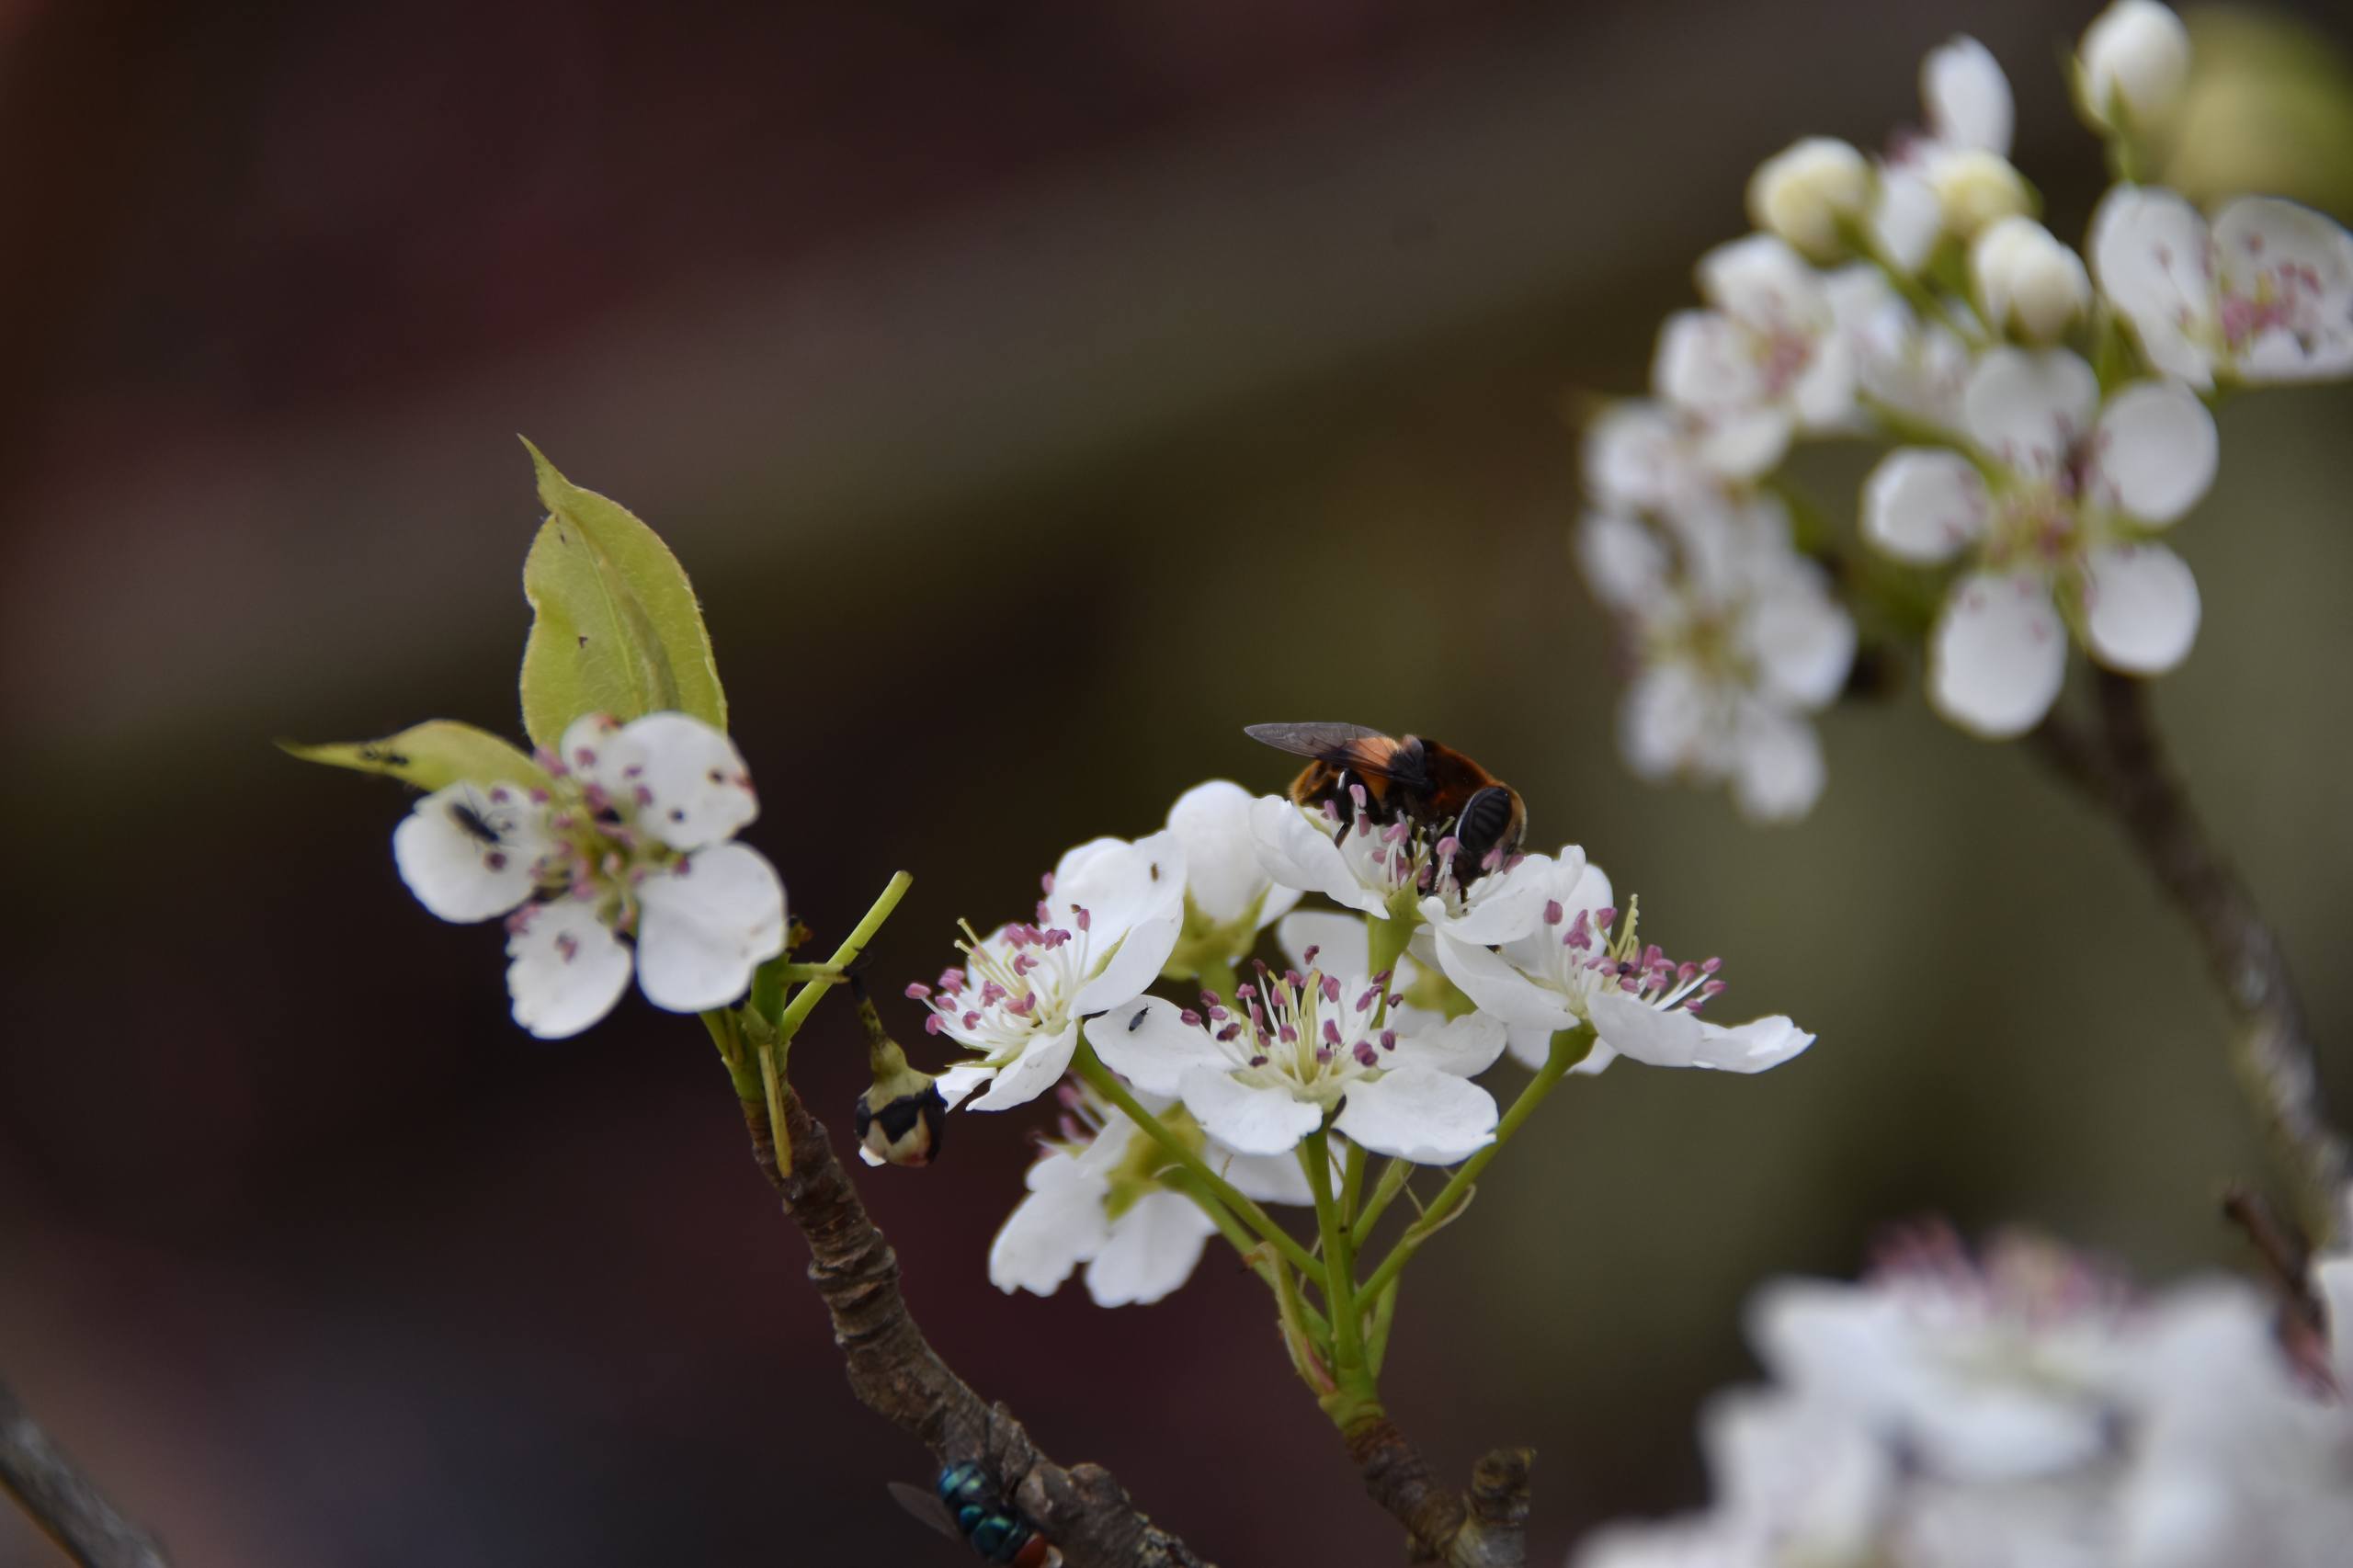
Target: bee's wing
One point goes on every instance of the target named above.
(926, 1507)
(1325, 743)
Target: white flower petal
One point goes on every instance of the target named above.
(1743, 443)
(705, 925)
(689, 785)
(1751, 1047)
(1138, 962)
(1343, 943)
(1664, 722)
(1761, 282)
(1246, 1120)
(1419, 1114)
(1967, 97)
(1052, 1230)
(1777, 772)
(2156, 451)
(1464, 1046)
(1703, 364)
(1151, 1250)
(1150, 1045)
(1801, 640)
(1630, 1027)
(1222, 878)
(2333, 1283)
(1498, 987)
(1824, 393)
(1300, 854)
(956, 1081)
(1040, 1067)
(1998, 654)
(2029, 407)
(468, 851)
(1121, 886)
(2151, 256)
(1502, 907)
(1624, 562)
(1909, 221)
(566, 969)
(1269, 1178)
(2141, 608)
(593, 751)
(2298, 263)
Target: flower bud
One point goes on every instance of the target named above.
(2026, 281)
(1975, 188)
(2131, 67)
(1803, 192)
(902, 1129)
(901, 1118)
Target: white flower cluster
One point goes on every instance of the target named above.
(2022, 1409)
(1325, 1042)
(2051, 418)
(623, 862)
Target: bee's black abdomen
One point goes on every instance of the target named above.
(1486, 818)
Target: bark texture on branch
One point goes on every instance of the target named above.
(2118, 762)
(62, 1500)
(894, 1371)
(1485, 1528)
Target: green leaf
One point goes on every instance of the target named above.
(438, 752)
(615, 629)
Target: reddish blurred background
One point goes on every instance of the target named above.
(1037, 392)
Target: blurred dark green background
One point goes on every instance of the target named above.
(1039, 394)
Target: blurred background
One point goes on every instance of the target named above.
(1037, 392)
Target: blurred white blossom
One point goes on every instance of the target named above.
(2131, 67)
(2057, 503)
(2265, 295)
(2026, 1407)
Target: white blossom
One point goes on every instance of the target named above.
(2265, 295)
(1808, 192)
(1578, 966)
(1955, 177)
(2058, 508)
(1737, 640)
(1098, 1195)
(624, 865)
(2023, 1408)
(1907, 366)
(1264, 1069)
(2026, 282)
(1764, 361)
(1110, 918)
(2131, 67)
(1229, 897)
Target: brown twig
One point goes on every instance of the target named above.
(62, 1500)
(2120, 764)
(1487, 1529)
(894, 1371)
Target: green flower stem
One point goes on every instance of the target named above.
(1376, 1345)
(788, 1022)
(1386, 940)
(1339, 1290)
(1218, 975)
(1351, 1189)
(1270, 1266)
(1105, 1082)
(1569, 1048)
(1393, 1176)
(740, 1068)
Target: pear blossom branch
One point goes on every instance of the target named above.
(62, 1500)
(896, 1373)
(2118, 762)
(1484, 1528)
